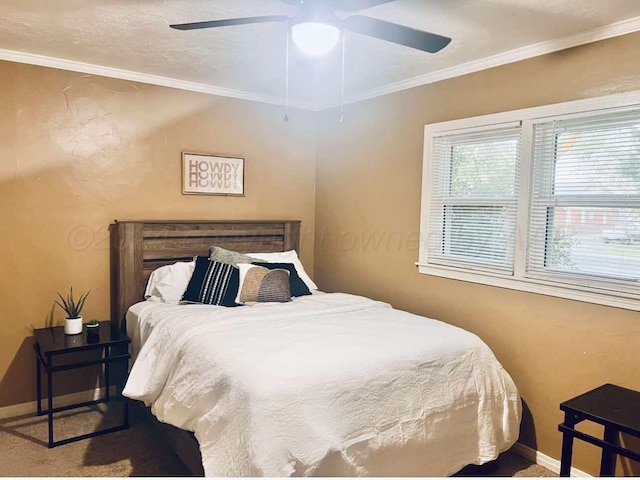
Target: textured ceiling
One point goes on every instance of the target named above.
(134, 35)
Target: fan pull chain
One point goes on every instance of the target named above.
(344, 50)
(286, 88)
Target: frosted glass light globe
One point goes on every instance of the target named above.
(315, 38)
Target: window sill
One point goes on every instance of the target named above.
(533, 286)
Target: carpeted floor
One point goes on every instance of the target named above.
(138, 451)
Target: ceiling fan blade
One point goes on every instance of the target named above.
(356, 5)
(392, 32)
(231, 21)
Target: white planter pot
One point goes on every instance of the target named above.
(73, 326)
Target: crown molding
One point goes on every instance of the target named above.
(534, 50)
(601, 33)
(92, 69)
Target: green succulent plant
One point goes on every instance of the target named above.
(94, 322)
(70, 306)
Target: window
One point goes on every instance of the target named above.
(473, 198)
(587, 165)
(545, 200)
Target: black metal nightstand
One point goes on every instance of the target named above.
(617, 409)
(52, 342)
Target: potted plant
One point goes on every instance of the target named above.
(73, 322)
(93, 330)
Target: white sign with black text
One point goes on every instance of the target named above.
(212, 175)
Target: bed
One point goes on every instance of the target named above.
(325, 385)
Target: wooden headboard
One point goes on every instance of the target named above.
(139, 247)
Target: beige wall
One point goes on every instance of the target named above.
(369, 182)
(78, 151)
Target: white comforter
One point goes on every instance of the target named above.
(329, 384)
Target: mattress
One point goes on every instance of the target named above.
(331, 384)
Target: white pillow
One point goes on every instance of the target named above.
(167, 284)
(287, 257)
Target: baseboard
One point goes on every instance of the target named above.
(61, 401)
(546, 461)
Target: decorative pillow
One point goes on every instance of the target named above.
(296, 285)
(222, 255)
(213, 283)
(260, 284)
(167, 284)
(287, 257)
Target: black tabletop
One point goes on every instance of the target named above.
(53, 340)
(609, 404)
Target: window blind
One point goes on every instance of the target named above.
(584, 226)
(473, 194)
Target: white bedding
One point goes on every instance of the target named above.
(329, 384)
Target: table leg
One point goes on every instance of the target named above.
(39, 384)
(106, 374)
(567, 445)
(608, 461)
(50, 409)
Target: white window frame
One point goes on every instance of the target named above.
(488, 200)
(519, 280)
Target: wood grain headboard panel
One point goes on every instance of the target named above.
(139, 247)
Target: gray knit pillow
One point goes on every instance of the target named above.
(222, 255)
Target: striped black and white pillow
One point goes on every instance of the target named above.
(213, 283)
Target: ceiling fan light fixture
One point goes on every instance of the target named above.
(315, 38)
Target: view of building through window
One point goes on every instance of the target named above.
(596, 166)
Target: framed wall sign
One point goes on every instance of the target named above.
(204, 174)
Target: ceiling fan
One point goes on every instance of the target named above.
(317, 28)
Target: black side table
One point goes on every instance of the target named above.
(617, 408)
(52, 342)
